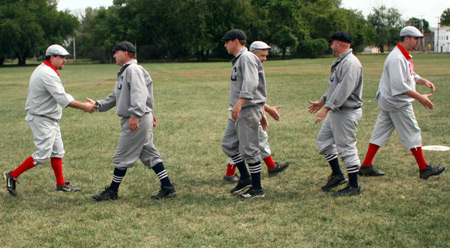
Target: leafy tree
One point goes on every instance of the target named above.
(421, 24)
(29, 26)
(387, 24)
(445, 17)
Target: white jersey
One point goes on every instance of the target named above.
(398, 78)
(46, 94)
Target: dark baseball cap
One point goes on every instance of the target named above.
(124, 46)
(341, 36)
(234, 34)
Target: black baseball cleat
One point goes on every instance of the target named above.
(431, 171)
(278, 168)
(108, 194)
(252, 193)
(369, 171)
(67, 188)
(334, 181)
(348, 191)
(165, 192)
(10, 183)
(242, 185)
(231, 179)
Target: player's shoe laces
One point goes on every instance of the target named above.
(334, 181)
(369, 171)
(10, 183)
(241, 186)
(108, 194)
(165, 192)
(348, 191)
(431, 171)
(67, 188)
(231, 179)
(252, 193)
(278, 168)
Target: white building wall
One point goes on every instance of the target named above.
(442, 43)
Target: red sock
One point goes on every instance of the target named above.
(269, 162)
(370, 154)
(418, 154)
(26, 165)
(58, 169)
(231, 169)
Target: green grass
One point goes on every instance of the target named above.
(191, 106)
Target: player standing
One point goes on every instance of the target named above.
(396, 92)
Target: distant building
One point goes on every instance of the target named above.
(442, 39)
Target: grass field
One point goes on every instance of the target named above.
(398, 210)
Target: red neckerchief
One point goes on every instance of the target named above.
(408, 56)
(47, 63)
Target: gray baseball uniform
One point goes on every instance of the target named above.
(343, 97)
(396, 111)
(45, 101)
(133, 97)
(247, 81)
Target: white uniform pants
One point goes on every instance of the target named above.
(404, 121)
(47, 138)
(338, 135)
(137, 144)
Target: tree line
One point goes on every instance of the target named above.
(184, 30)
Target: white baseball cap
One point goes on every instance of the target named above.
(56, 50)
(259, 45)
(411, 31)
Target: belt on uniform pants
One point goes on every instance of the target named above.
(341, 108)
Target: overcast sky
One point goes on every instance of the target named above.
(430, 10)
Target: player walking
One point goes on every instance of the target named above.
(343, 99)
(45, 101)
(396, 92)
(247, 98)
(133, 99)
(261, 50)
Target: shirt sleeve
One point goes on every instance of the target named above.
(138, 91)
(53, 85)
(108, 103)
(250, 81)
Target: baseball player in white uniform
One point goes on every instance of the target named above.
(396, 92)
(133, 99)
(261, 50)
(45, 101)
(343, 100)
(247, 98)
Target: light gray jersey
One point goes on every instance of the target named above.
(133, 95)
(345, 84)
(46, 94)
(247, 79)
(398, 78)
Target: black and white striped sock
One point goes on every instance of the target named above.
(162, 174)
(334, 163)
(255, 170)
(117, 179)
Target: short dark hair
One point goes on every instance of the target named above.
(48, 58)
(402, 38)
(131, 55)
(243, 42)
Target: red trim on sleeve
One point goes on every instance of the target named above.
(47, 63)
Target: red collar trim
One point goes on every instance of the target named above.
(405, 53)
(47, 63)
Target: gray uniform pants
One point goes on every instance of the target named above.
(137, 144)
(338, 135)
(404, 121)
(242, 136)
(47, 138)
(264, 147)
